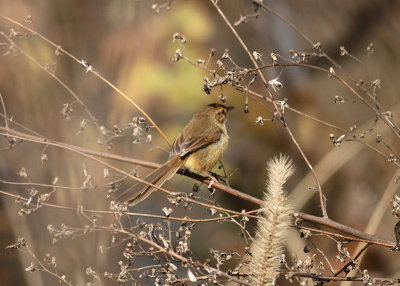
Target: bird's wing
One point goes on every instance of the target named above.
(184, 145)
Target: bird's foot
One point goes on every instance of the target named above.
(213, 179)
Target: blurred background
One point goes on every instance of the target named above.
(130, 44)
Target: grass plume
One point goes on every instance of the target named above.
(272, 224)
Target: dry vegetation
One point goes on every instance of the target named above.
(92, 95)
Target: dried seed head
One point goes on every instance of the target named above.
(257, 56)
(275, 84)
(225, 55)
(343, 51)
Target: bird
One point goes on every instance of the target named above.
(198, 147)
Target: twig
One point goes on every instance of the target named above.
(173, 254)
(35, 139)
(294, 27)
(340, 237)
(44, 268)
(56, 78)
(351, 262)
(93, 72)
(344, 228)
(327, 278)
(248, 214)
(319, 220)
(4, 110)
(277, 110)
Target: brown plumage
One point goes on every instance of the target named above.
(198, 148)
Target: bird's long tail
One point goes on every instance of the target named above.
(140, 191)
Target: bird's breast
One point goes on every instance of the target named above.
(205, 159)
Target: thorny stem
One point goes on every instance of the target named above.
(277, 110)
(89, 69)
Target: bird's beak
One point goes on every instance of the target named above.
(229, 108)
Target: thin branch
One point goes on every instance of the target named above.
(377, 111)
(142, 163)
(173, 254)
(44, 268)
(340, 237)
(248, 214)
(352, 262)
(89, 69)
(276, 109)
(57, 79)
(323, 221)
(327, 278)
(35, 139)
(4, 110)
(293, 26)
(344, 228)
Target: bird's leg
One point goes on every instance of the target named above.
(218, 177)
(225, 177)
(184, 171)
(213, 179)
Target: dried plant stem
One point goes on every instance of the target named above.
(380, 210)
(175, 255)
(56, 78)
(248, 214)
(361, 251)
(97, 74)
(35, 139)
(4, 110)
(340, 237)
(293, 26)
(44, 268)
(244, 46)
(276, 109)
(390, 123)
(327, 278)
(375, 107)
(307, 217)
(14, 122)
(355, 235)
(344, 228)
(142, 163)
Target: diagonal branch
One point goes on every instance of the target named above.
(276, 108)
(91, 70)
